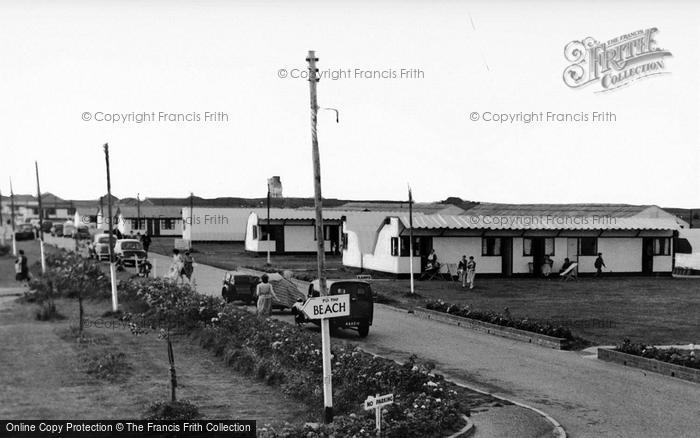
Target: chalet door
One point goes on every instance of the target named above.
(507, 256)
(647, 255)
(537, 255)
(572, 249)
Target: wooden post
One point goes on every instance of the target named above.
(268, 222)
(320, 242)
(41, 221)
(410, 238)
(12, 218)
(112, 268)
(173, 376)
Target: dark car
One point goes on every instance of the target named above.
(57, 230)
(82, 232)
(46, 226)
(361, 304)
(24, 232)
(239, 287)
(128, 252)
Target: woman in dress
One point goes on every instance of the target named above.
(265, 293)
(21, 269)
(177, 267)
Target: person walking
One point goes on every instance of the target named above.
(146, 241)
(188, 268)
(21, 269)
(177, 267)
(471, 272)
(599, 265)
(265, 292)
(462, 270)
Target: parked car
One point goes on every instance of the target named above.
(100, 246)
(239, 287)
(361, 305)
(69, 229)
(24, 232)
(128, 252)
(82, 232)
(46, 226)
(57, 230)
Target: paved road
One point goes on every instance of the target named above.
(589, 397)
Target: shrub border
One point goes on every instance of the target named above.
(492, 329)
(644, 363)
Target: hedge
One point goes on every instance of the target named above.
(684, 358)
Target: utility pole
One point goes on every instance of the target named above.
(112, 268)
(410, 238)
(12, 218)
(41, 220)
(320, 242)
(191, 217)
(268, 222)
(138, 211)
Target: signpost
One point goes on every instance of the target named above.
(377, 403)
(329, 306)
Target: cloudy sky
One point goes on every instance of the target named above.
(65, 61)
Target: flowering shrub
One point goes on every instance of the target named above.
(71, 275)
(684, 358)
(507, 320)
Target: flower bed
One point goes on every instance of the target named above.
(505, 320)
(675, 356)
(281, 354)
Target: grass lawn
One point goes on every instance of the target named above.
(45, 372)
(605, 311)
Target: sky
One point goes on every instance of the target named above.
(67, 66)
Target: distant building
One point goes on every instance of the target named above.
(291, 231)
(156, 220)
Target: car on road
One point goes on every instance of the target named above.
(239, 287)
(24, 232)
(128, 252)
(82, 232)
(57, 230)
(361, 305)
(46, 226)
(100, 246)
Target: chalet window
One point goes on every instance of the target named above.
(587, 246)
(135, 224)
(394, 246)
(71, 211)
(662, 246)
(491, 246)
(548, 246)
(255, 232)
(50, 211)
(167, 224)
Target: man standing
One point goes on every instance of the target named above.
(462, 270)
(146, 241)
(471, 272)
(599, 265)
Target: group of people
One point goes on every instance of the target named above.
(466, 271)
(181, 267)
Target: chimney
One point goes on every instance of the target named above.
(275, 187)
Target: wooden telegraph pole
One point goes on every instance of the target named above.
(2, 223)
(320, 242)
(12, 218)
(410, 237)
(268, 222)
(41, 220)
(112, 268)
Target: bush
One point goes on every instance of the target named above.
(47, 312)
(684, 358)
(5, 250)
(107, 365)
(505, 320)
(182, 410)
